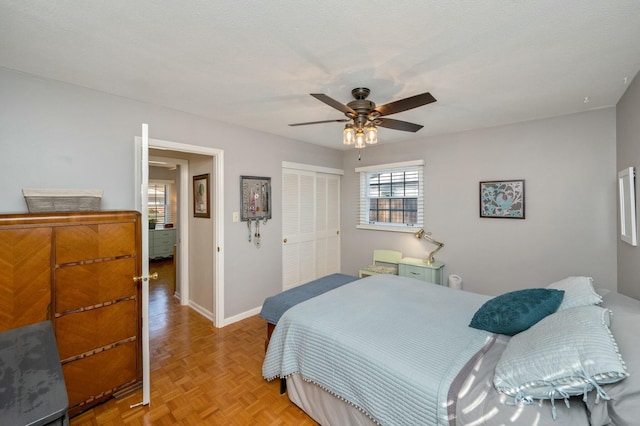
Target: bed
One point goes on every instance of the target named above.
(395, 351)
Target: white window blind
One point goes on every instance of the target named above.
(162, 202)
(392, 196)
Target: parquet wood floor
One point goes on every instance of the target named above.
(200, 375)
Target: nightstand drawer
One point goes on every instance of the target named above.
(412, 271)
(416, 268)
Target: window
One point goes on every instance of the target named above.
(161, 202)
(391, 196)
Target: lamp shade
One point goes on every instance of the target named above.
(360, 143)
(371, 134)
(349, 135)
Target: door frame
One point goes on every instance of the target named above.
(217, 216)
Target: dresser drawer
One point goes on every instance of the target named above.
(101, 373)
(165, 250)
(81, 332)
(88, 242)
(84, 285)
(164, 239)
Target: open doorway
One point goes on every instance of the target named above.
(142, 145)
(199, 258)
(164, 202)
(169, 232)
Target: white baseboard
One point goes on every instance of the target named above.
(227, 321)
(202, 311)
(242, 316)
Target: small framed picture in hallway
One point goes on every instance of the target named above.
(201, 202)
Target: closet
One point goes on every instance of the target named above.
(310, 225)
(77, 270)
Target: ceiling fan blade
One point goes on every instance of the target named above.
(333, 103)
(390, 123)
(405, 104)
(342, 120)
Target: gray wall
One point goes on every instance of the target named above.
(568, 164)
(201, 247)
(58, 135)
(55, 135)
(628, 155)
(162, 173)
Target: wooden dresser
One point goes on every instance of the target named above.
(161, 242)
(77, 269)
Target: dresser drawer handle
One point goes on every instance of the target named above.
(414, 273)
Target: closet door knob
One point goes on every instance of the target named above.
(284, 241)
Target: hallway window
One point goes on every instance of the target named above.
(161, 202)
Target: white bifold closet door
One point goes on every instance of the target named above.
(327, 224)
(311, 226)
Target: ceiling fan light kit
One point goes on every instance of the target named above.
(365, 117)
(349, 135)
(371, 134)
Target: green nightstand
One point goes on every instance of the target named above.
(416, 268)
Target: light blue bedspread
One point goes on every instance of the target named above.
(274, 306)
(389, 345)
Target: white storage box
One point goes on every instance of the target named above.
(62, 200)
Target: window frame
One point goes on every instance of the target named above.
(363, 221)
(168, 205)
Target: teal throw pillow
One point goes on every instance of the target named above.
(516, 311)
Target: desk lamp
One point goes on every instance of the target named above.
(421, 235)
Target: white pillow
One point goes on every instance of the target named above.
(567, 353)
(578, 291)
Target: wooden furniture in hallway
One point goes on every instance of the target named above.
(77, 269)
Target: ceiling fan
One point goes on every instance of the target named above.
(365, 116)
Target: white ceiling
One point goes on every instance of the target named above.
(253, 63)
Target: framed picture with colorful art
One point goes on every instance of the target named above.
(502, 199)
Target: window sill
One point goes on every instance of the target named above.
(407, 229)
